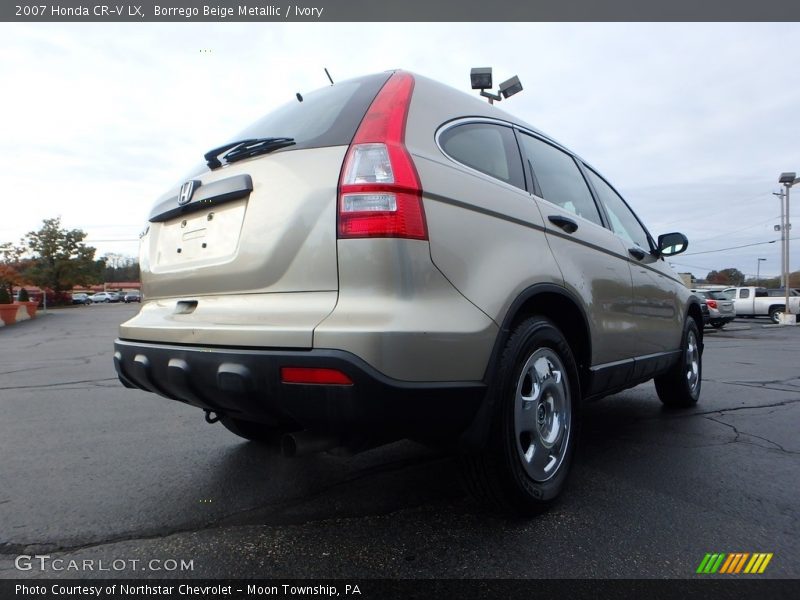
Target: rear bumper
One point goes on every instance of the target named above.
(721, 320)
(245, 383)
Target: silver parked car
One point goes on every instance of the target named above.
(720, 309)
(390, 257)
(104, 297)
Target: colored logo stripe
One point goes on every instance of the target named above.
(711, 563)
(758, 563)
(734, 562)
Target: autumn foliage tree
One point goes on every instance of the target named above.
(729, 276)
(9, 277)
(10, 274)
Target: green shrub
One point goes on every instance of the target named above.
(5, 298)
(23, 295)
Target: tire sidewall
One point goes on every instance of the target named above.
(531, 335)
(692, 326)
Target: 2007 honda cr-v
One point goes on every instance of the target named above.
(388, 257)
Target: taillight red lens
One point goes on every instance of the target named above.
(379, 190)
(711, 303)
(314, 376)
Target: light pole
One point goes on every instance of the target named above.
(758, 271)
(782, 229)
(788, 180)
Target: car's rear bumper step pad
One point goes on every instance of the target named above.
(246, 383)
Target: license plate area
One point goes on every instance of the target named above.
(201, 237)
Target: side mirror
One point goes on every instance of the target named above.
(671, 244)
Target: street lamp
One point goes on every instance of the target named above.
(758, 271)
(782, 229)
(481, 79)
(788, 180)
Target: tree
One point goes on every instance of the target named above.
(12, 266)
(728, 276)
(8, 277)
(120, 268)
(11, 254)
(60, 258)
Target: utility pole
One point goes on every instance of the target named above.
(788, 180)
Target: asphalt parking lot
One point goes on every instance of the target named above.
(91, 470)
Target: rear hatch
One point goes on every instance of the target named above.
(723, 305)
(260, 215)
(725, 308)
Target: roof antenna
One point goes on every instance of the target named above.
(329, 75)
(299, 97)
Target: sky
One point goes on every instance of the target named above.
(692, 122)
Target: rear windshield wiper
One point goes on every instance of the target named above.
(245, 149)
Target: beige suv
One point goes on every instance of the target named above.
(388, 257)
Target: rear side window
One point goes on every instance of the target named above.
(328, 116)
(557, 178)
(485, 147)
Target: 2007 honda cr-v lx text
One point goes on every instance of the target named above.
(388, 257)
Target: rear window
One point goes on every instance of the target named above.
(328, 116)
(485, 147)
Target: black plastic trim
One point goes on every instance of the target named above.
(245, 384)
(614, 377)
(208, 194)
(476, 434)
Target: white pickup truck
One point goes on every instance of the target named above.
(758, 301)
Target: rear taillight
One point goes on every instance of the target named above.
(379, 189)
(711, 303)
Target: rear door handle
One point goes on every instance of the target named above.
(564, 223)
(636, 253)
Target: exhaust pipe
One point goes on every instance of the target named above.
(303, 443)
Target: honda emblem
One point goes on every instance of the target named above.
(187, 189)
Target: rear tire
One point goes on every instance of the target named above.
(249, 430)
(680, 386)
(775, 314)
(535, 398)
(718, 325)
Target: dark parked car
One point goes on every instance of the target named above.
(132, 297)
